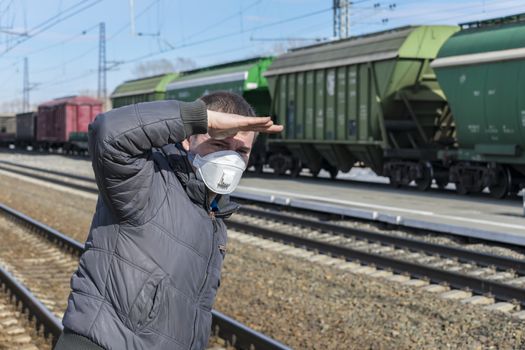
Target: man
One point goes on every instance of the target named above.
(151, 268)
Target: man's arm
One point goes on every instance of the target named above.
(120, 143)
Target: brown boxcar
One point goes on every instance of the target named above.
(7, 128)
(60, 117)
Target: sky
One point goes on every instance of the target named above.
(60, 38)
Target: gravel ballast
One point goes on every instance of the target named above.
(73, 165)
(16, 331)
(317, 307)
(305, 305)
(67, 213)
(82, 166)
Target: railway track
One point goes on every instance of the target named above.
(36, 263)
(495, 277)
(22, 316)
(358, 183)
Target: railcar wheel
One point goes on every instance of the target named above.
(278, 170)
(394, 183)
(258, 168)
(333, 172)
(296, 168)
(502, 183)
(461, 188)
(441, 182)
(425, 181)
(477, 188)
(279, 163)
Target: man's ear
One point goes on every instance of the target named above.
(186, 144)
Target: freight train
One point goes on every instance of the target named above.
(421, 104)
(61, 123)
(243, 77)
(7, 129)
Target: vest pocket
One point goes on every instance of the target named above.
(146, 306)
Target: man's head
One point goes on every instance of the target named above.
(225, 102)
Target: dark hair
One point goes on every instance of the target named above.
(228, 102)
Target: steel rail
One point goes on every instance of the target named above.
(464, 255)
(48, 232)
(240, 336)
(48, 179)
(360, 183)
(243, 336)
(456, 280)
(467, 255)
(461, 254)
(48, 171)
(500, 291)
(51, 324)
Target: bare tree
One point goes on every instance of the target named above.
(12, 106)
(162, 66)
(88, 92)
(155, 67)
(93, 94)
(182, 64)
(282, 47)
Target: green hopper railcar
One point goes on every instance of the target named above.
(141, 90)
(371, 101)
(242, 77)
(482, 72)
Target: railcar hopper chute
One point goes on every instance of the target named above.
(482, 72)
(371, 101)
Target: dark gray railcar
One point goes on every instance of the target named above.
(25, 128)
(7, 129)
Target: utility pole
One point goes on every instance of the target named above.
(341, 18)
(26, 88)
(132, 16)
(102, 91)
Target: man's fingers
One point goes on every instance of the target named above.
(253, 121)
(268, 129)
(254, 127)
(226, 124)
(272, 129)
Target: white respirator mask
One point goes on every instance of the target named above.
(221, 171)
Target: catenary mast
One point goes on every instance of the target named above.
(102, 90)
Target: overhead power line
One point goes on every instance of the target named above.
(84, 75)
(217, 37)
(225, 19)
(62, 42)
(452, 9)
(123, 62)
(95, 47)
(203, 41)
(422, 16)
(289, 39)
(51, 22)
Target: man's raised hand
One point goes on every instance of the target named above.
(223, 125)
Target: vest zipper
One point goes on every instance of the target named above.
(214, 222)
(212, 217)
